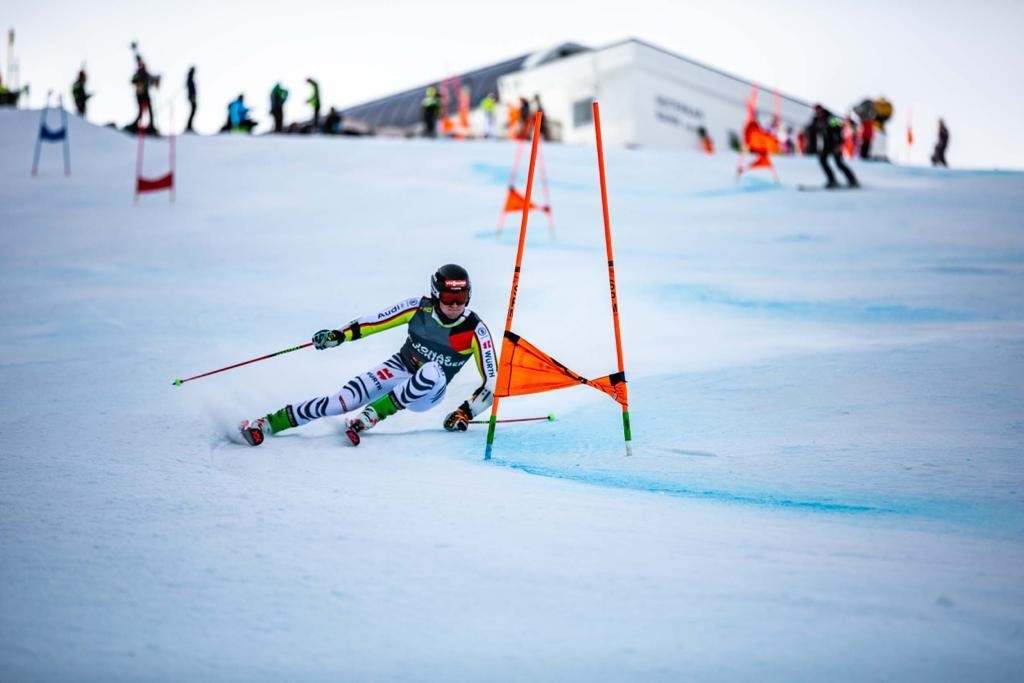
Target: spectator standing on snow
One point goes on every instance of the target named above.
(705, 141)
(78, 92)
(939, 155)
(488, 105)
(238, 117)
(190, 87)
(524, 119)
(545, 134)
(431, 107)
(143, 80)
(867, 135)
(278, 96)
(314, 102)
(828, 131)
(332, 124)
(883, 112)
(443, 337)
(788, 145)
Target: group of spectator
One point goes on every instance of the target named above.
(827, 135)
(436, 115)
(238, 112)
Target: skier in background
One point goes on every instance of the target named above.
(314, 101)
(443, 336)
(78, 92)
(828, 130)
(278, 96)
(190, 87)
(939, 154)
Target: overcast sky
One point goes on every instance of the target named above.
(960, 60)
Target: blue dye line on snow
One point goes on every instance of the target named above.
(848, 311)
(634, 483)
(748, 186)
(498, 174)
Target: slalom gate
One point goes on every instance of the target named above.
(522, 367)
(47, 134)
(761, 143)
(515, 201)
(145, 185)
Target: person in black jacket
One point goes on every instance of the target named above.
(939, 155)
(828, 129)
(79, 94)
(278, 96)
(190, 86)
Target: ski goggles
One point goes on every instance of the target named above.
(452, 298)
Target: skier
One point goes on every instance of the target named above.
(78, 92)
(190, 87)
(939, 153)
(443, 334)
(829, 131)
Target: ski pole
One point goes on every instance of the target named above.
(179, 382)
(549, 418)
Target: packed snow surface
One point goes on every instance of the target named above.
(827, 401)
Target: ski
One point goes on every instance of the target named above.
(823, 188)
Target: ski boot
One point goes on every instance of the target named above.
(366, 420)
(256, 431)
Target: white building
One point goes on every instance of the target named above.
(648, 96)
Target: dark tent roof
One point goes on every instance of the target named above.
(403, 110)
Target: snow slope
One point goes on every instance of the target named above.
(826, 400)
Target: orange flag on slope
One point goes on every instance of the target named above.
(525, 369)
(515, 202)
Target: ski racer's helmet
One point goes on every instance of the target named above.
(450, 285)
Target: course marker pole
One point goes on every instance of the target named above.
(611, 275)
(515, 273)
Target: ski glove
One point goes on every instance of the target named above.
(458, 420)
(326, 339)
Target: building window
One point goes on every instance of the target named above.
(582, 114)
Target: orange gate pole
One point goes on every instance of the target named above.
(611, 275)
(515, 273)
